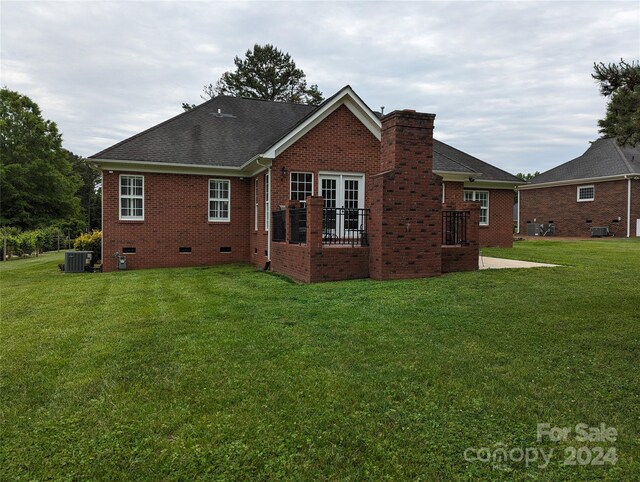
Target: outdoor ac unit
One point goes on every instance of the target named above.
(533, 229)
(76, 261)
(598, 232)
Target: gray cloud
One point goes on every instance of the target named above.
(510, 82)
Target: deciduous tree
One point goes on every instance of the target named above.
(37, 182)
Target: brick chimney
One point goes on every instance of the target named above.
(406, 212)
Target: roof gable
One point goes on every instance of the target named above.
(345, 96)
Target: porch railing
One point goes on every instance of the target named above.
(298, 225)
(454, 227)
(278, 226)
(345, 226)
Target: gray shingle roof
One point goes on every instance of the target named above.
(229, 131)
(243, 129)
(605, 157)
(447, 158)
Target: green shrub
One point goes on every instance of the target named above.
(90, 242)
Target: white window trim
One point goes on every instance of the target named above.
(256, 202)
(267, 201)
(228, 199)
(592, 186)
(129, 218)
(301, 172)
(481, 207)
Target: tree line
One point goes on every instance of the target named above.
(43, 186)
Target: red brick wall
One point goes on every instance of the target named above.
(175, 215)
(559, 204)
(459, 258)
(312, 262)
(499, 232)
(405, 231)
(339, 143)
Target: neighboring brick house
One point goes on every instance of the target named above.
(599, 189)
(204, 187)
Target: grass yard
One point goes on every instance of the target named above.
(228, 373)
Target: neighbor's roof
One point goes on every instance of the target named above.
(605, 157)
(229, 131)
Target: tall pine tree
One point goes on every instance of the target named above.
(621, 84)
(265, 73)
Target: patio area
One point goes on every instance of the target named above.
(487, 262)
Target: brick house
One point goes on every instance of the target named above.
(324, 192)
(596, 193)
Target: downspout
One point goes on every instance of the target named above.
(629, 207)
(268, 214)
(518, 213)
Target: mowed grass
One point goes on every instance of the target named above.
(230, 373)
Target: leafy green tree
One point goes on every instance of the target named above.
(527, 177)
(621, 84)
(37, 183)
(265, 73)
(523, 177)
(89, 192)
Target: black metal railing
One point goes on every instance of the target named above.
(298, 225)
(279, 226)
(345, 226)
(454, 227)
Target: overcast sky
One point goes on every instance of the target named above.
(509, 82)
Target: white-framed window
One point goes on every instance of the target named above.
(483, 197)
(219, 200)
(256, 185)
(267, 202)
(586, 193)
(300, 186)
(131, 197)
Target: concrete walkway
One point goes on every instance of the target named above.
(487, 262)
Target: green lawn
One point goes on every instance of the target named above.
(230, 373)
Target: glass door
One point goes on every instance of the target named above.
(343, 197)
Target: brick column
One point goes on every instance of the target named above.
(406, 212)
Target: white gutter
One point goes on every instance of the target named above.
(629, 207)
(576, 181)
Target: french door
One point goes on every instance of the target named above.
(343, 195)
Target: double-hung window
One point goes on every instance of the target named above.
(131, 197)
(301, 186)
(483, 198)
(586, 193)
(219, 200)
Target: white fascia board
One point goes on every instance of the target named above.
(347, 98)
(569, 182)
(456, 176)
(168, 168)
(487, 184)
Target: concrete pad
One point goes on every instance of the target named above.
(487, 262)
